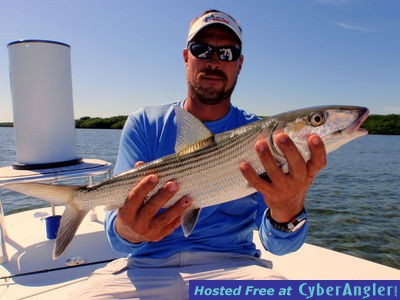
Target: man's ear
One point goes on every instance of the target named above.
(241, 60)
(185, 55)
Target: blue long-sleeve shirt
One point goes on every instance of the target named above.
(150, 133)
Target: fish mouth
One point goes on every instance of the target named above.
(355, 128)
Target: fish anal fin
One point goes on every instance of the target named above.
(189, 219)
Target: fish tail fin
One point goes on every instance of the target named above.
(70, 221)
(189, 219)
(56, 194)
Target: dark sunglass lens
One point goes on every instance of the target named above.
(228, 53)
(200, 50)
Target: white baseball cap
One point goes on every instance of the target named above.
(213, 18)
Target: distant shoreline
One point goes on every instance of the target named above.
(375, 124)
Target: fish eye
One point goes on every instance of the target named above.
(317, 118)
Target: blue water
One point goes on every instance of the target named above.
(353, 204)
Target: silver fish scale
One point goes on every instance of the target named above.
(216, 178)
(210, 175)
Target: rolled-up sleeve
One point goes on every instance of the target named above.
(118, 244)
(279, 242)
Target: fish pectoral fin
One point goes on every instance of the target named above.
(189, 219)
(265, 177)
(70, 221)
(284, 167)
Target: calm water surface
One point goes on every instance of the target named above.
(353, 204)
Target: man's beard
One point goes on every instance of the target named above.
(210, 96)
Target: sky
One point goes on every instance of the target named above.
(126, 54)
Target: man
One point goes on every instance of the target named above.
(161, 260)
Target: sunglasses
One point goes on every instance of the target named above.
(224, 53)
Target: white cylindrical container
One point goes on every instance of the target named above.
(41, 88)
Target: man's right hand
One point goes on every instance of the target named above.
(138, 221)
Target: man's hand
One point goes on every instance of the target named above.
(285, 194)
(139, 222)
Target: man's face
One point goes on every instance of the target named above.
(211, 80)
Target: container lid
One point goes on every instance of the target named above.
(38, 41)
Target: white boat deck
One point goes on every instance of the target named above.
(30, 251)
(32, 274)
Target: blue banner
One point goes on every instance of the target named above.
(294, 289)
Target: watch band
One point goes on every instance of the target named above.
(293, 225)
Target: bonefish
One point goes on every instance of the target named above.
(205, 166)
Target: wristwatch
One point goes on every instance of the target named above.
(293, 225)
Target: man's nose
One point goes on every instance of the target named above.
(214, 60)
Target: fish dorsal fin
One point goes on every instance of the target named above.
(192, 135)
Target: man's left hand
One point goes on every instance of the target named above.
(285, 193)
